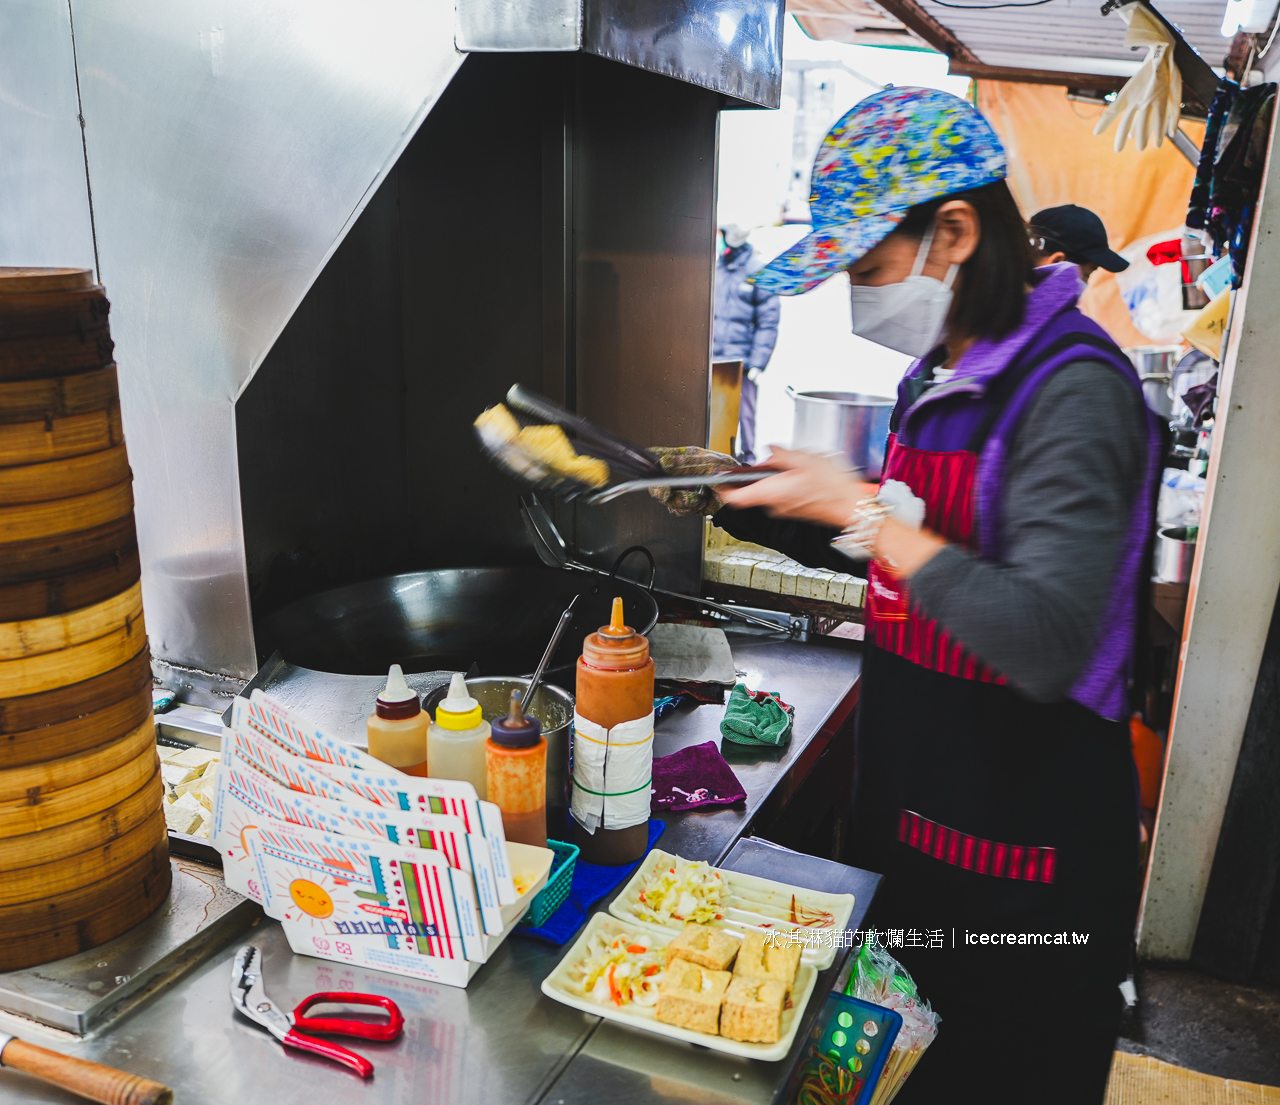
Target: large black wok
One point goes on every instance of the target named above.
(497, 618)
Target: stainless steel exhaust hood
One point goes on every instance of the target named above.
(229, 146)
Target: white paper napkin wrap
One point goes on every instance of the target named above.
(612, 773)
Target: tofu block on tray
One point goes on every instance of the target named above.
(689, 996)
(765, 962)
(185, 815)
(706, 947)
(752, 1011)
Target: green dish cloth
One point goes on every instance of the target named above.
(757, 717)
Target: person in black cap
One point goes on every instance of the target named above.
(1075, 234)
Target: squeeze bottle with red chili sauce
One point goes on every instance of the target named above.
(515, 757)
(613, 744)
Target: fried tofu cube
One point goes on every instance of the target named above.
(498, 424)
(752, 1011)
(707, 947)
(689, 996)
(590, 470)
(196, 758)
(765, 961)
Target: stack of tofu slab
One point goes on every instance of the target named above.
(742, 564)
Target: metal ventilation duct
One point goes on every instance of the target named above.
(228, 147)
(729, 46)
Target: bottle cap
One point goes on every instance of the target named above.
(458, 710)
(616, 645)
(397, 700)
(517, 729)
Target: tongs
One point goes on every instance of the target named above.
(250, 998)
(631, 468)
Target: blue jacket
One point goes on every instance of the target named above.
(746, 322)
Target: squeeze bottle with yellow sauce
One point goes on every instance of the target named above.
(516, 772)
(397, 729)
(456, 739)
(613, 744)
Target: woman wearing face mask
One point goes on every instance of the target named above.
(995, 788)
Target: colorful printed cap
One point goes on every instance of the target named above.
(893, 150)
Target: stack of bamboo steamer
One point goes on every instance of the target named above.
(83, 844)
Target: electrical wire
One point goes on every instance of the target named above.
(1270, 40)
(989, 7)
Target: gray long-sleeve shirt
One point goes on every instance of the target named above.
(1075, 467)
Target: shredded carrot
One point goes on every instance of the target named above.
(651, 970)
(636, 949)
(614, 991)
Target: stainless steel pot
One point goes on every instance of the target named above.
(1174, 554)
(846, 422)
(552, 706)
(1155, 390)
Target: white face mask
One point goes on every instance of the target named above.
(907, 316)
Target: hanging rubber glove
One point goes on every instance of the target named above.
(1150, 104)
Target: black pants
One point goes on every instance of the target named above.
(1031, 1014)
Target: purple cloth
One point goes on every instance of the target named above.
(694, 776)
(1000, 376)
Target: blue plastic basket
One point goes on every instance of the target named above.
(847, 1050)
(551, 897)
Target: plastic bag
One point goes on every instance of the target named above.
(879, 978)
(1181, 498)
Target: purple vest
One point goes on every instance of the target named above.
(979, 410)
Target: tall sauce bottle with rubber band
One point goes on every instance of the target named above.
(613, 744)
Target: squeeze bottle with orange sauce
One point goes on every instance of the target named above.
(515, 760)
(397, 729)
(613, 744)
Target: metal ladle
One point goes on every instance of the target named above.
(554, 553)
(563, 624)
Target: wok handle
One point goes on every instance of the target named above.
(653, 567)
(92, 1080)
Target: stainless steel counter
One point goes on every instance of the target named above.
(500, 1040)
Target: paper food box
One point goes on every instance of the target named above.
(361, 863)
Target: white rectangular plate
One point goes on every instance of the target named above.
(760, 904)
(557, 985)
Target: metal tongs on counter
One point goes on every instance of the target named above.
(250, 998)
(572, 458)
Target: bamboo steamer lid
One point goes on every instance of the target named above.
(64, 554)
(45, 810)
(58, 396)
(56, 595)
(66, 873)
(21, 713)
(34, 784)
(77, 837)
(123, 905)
(37, 314)
(41, 358)
(32, 521)
(33, 674)
(17, 279)
(59, 479)
(76, 734)
(63, 631)
(71, 906)
(73, 435)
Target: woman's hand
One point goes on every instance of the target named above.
(810, 487)
(906, 550)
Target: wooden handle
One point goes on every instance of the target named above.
(92, 1080)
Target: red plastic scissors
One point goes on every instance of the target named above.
(249, 996)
